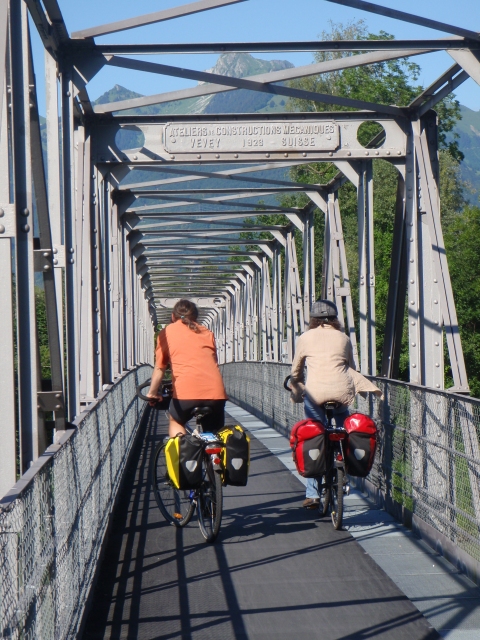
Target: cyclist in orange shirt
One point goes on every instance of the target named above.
(189, 348)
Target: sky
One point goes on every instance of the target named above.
(253, 20)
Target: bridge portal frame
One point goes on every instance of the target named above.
(81, 234)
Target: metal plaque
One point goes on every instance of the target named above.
(238, 137)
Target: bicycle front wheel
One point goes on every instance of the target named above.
(336, 500)
(210, 499)
(175, 504)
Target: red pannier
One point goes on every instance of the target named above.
(307, 441)
(360, 445)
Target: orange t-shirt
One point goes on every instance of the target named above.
(193, 358)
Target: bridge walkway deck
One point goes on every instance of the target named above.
(276, 571)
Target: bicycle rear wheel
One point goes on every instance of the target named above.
(336, 499)
(210, 502)
(175, 504)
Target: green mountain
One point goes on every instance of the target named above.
(468, 128)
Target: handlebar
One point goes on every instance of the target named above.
(166, 393)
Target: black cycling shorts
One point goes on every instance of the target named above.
(182, 411)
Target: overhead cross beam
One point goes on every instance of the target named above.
(408, 17)
(151, 18)
(438, 44)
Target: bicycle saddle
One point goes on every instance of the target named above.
(329, 406)
(201, 412)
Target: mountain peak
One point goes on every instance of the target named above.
(240, 65)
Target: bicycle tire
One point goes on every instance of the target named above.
(325, 500)
(210, 502)
(336, 500)
(175, 504)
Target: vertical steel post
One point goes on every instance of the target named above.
(31, 440)
(8, 470)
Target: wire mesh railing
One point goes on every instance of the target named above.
(428, 459)
(53, 522)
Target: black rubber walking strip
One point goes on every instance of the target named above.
(276, 571)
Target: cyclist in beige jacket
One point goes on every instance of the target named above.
(328, 354)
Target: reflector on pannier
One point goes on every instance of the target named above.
(307, 440)
(360, 444)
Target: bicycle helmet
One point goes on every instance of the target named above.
(323, 309)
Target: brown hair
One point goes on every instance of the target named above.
(187, 312)
(325, 322)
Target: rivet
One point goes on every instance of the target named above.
(71, 250)
(414, 344)
(412, 301)
(98, 373)
(58, 407)
(412, 281)
(2, 228)
(46, 267)
(46, 254)
(438, 386)
(267, 155)
(435, 280)
(2, 213)
(349, 153)
(436, 321)
(199, 156)
(388, 153)
(71, 261)
(68, 94)
(410, 224)
(414, 366)
(304, 155)
(95, 246)
(97, 331)
(25, 212)
(55, 250)
(330, 153)
(411, 239)
(94, 231)
(367, 153)
(135, 157)
(172, 157)
(411, 259)
(399, 153)
(58, 396)
(26, 228)
(412, 323)
(97, 352)
(436, 364)
(55, 261)
(377, 153)
(95, 267)
(436, 344)
(96, 289)
(217, 155)
(285, 155)
(435, 302)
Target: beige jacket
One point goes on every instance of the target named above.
(328, 355)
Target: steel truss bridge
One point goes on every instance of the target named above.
(109, 237)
